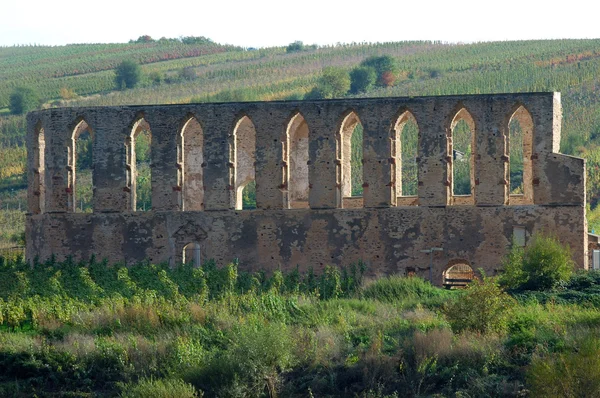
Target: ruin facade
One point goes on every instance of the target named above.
(298, 153)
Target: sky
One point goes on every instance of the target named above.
(265, 23)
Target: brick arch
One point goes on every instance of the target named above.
(456, 154)
(400, 167)
(458, 273)
(524, 148)
(190, 164)
(38, 170)
(242, 158)
(77, 128)
(295, 161)
(136, 127)
(348, 121)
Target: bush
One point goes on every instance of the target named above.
(23, 100)
(127, 74)
(484, 307)
(542, 265)
(362, 79)
(162, 388)
(385, 66)
(569, 374)
(294, 47)
(333, 83)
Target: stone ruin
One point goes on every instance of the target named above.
(298, 153)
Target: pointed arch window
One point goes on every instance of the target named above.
(244, 159)
(520, 151)
(81, 168)
(190, 166)
(139, 170)
(39, 170)
(349, 148)
(405, 144)
(295, 155)
(461, 158)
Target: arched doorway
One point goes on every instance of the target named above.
(458, 275)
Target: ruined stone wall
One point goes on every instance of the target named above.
(260, 141)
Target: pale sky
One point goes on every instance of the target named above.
(264, 23)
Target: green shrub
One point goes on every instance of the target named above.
(484, 307)
(570, 374)
(362, 79)
(160, 388)
(543, 264)
(23, 100)
(127, 74)
(394, 289)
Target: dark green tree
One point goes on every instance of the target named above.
(127, 74)
(333, 83)
(362, 79)
(294, 47)
(384, 65)
(23, 100)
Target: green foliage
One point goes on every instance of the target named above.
(362, 79)
(127, 74)
(159, 388)
(23, 100)
(544, 264)
(294, 47)
(575, 373)
(382, 65)
(333, 83)
(397, 289)
(484, 308)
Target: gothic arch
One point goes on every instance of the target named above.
(461, 149)
(405, 138)
(519, 143)
(295, 160)
(243, 159)
(349, 157)
(190, 165)
(139, 170)
(81, 142)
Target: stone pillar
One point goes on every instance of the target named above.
(491, 166)
(165, 125)
(323, 122)
(270, 165)
(218, 123)
(433, 117)
(378, 132)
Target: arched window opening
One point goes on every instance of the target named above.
(350, 162)
(139, 154)
(190, 169)
(81, 169)
(39, 170)
(191, 254)
(520, 147)
(296, 156)
(404, 152)
(461, 150)
(245, 158)
(458, 275)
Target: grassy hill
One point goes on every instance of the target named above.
(174, 72)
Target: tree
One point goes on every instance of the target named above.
(127, 74)
(385, 66)
(362, 79)
(23, 100)
(542, 265)
(294, 47)
(333, 83)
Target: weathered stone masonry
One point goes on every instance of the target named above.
(298, 153)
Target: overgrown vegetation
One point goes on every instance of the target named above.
(149, 330)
